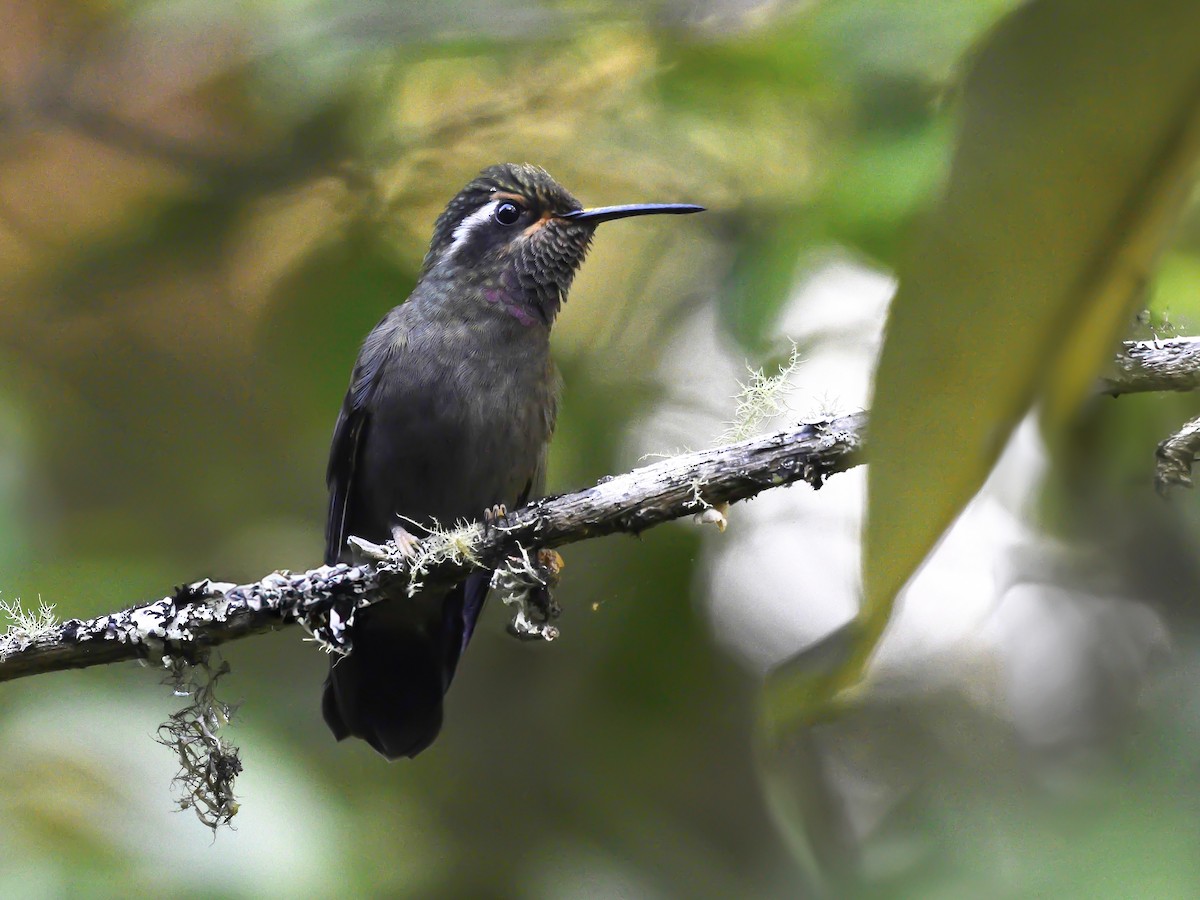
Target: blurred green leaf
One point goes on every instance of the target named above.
(883, 182)
(1079, 130)
(767, 248)
(714, 77)
(327, 305)
(1174, 298)
(189, 269)
(885, 44)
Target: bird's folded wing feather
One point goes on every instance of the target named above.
(343, 458)
(349, 435)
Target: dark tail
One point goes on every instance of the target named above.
(389, 690)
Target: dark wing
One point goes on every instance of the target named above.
(343, 459)
(350, 432)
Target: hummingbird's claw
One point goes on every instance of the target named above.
(366, 550)
(406, 541)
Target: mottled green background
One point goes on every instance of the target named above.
(205, 206)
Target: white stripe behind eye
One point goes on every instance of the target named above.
(468, 225)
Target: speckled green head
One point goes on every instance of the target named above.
(517, 234)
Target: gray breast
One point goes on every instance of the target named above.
(459, 422)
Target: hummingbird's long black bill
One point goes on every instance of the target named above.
(608, 213)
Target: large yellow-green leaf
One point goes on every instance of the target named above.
(1078, 136)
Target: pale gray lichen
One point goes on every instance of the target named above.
(26, 625)
(322, 600)
(208, 764)
(760, 400)
(524, 583)
(455, 546)
(697, 501)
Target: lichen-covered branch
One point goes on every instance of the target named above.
(1175, 457)
(323, 600)
(207, 613)
(1142, 366)
(1167, 365)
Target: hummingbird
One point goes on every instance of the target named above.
(449, 414)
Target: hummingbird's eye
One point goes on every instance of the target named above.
(507, 213)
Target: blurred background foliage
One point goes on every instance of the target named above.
(204, 207)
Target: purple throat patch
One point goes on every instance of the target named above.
(518, 312)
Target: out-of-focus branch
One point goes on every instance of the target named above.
(1175, 457)
(1166, 365)
(1144, 366)
(207, 613)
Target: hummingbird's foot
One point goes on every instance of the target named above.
(406, 541)
(494, 516)
(369, 551)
